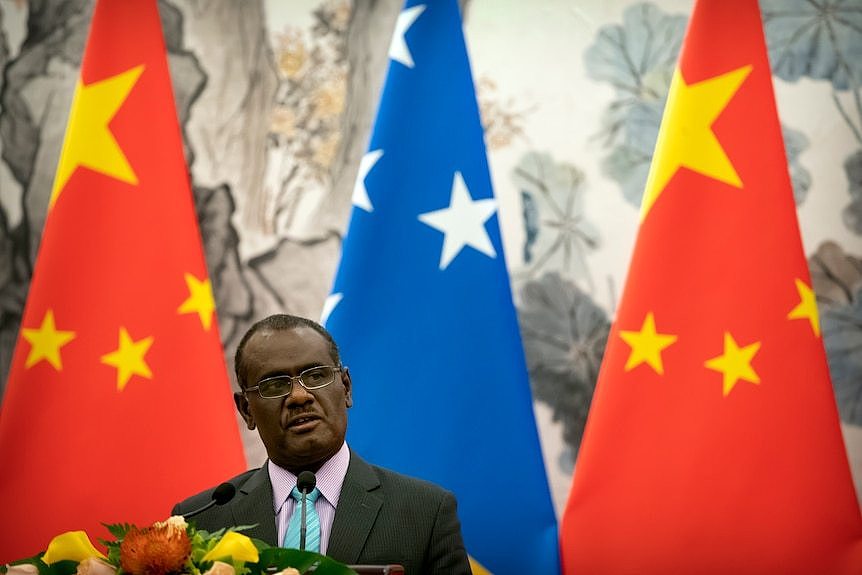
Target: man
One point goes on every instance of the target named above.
(295, 392)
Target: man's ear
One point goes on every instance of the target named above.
(241, 402)
(348, 387)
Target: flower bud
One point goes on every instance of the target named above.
(22, 569)
(95, 566)
(174, 521)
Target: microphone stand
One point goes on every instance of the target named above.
(302, 525)
(305, 482)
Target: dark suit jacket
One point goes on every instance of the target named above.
(382, 517)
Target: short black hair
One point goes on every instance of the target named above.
(281, 322)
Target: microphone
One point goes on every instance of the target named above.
(221, 495)
(305, 483)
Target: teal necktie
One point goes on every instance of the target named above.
(312, 522)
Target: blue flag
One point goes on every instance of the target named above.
(422, 307)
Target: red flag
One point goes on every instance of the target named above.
(713, 443)
(118, 402)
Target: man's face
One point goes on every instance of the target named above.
(304, 429)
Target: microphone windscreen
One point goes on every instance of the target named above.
(306, 481)
(224, 493)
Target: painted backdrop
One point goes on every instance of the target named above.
(276, 100)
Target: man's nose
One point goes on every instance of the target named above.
(299, 395)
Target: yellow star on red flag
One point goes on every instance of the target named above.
(200, 300)
(476, 567)
(128, 358)
(735, 363)
(807, 307)
(686, 139)
(647, 345)
(46, 341)
(89, 141)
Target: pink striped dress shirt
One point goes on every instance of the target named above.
(330, 478)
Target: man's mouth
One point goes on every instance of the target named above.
(302, 423)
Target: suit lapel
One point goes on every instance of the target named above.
(358, 506)
(254, 506)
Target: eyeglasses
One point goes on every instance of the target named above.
(280, 385)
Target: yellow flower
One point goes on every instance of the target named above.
(234, 545)
(283, 121)
(329, 99)
(326, 150)
(291, 54)
(71, 546)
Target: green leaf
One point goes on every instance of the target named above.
(329, 566)
(118, 530)
(281, 558)
(62, 568)
(204, 535)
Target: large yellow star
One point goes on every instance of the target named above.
(200, 300)
(647, 345)
(89, 141)
(45, 342)
(129, 358)
(686, 139)
(735, 363)
(807, 308)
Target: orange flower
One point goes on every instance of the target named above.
(157, 550)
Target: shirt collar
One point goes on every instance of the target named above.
(330, 478)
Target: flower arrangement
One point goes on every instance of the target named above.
(171, 547)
